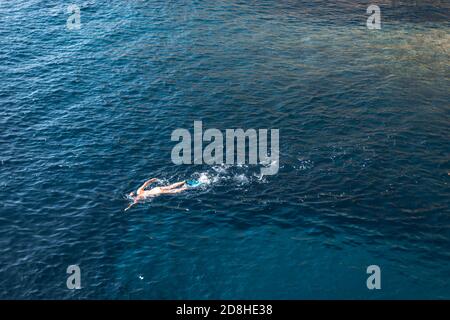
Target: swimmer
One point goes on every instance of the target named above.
(142, 194)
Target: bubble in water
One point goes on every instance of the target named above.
(242, 178)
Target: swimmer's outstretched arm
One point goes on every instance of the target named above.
(172, 191)
(146, 183)
(131, 204)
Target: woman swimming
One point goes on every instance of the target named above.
(142, 194)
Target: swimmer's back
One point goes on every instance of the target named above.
(152, 192)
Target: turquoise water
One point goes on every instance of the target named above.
(86, 117)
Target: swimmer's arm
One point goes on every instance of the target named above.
(146, 183)
(131, 204)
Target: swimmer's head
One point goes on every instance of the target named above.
(132, 194)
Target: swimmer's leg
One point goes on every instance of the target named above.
(173, 186)
(146, 183)
(172, 191)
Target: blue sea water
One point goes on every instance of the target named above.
(86, 117)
